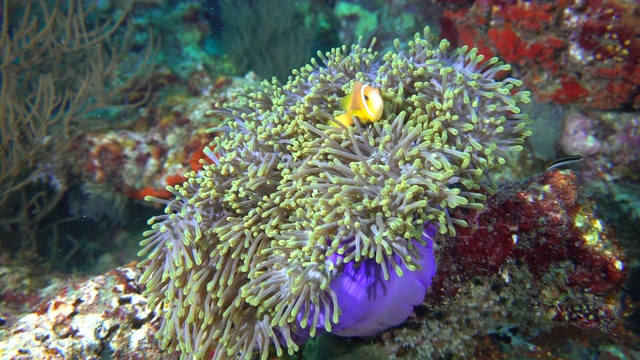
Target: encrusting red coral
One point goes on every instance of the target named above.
(545, 224)
(535, 259)
(163, 144)
(568, 52)
(139, 164)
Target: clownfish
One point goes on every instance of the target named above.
(364, 102)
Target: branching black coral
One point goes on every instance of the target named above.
(56, 65)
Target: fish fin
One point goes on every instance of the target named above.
(362, 115)
(344, 119)
(345, 103)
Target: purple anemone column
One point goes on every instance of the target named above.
(370, 304)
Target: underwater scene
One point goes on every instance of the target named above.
(319, 179)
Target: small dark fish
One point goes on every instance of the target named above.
(564, 161)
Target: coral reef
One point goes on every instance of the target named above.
(285, 230)
(254, 247)
(528, 296)
(583, 52)
(535, 258)
(22, 289)
(583, 55)
(355, 20)
(187, 34)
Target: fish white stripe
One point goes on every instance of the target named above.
(366, 107)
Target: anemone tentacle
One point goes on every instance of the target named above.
(270, 241)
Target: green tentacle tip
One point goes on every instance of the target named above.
(290, 189)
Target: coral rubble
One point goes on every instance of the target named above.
(102, 317)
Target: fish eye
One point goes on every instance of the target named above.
(366, 98)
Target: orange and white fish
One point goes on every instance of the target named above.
(364, 102)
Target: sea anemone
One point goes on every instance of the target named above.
(295, 226)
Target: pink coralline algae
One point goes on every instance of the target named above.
(536, 259)
(609, 143)
(568, 52)
(579, 135)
